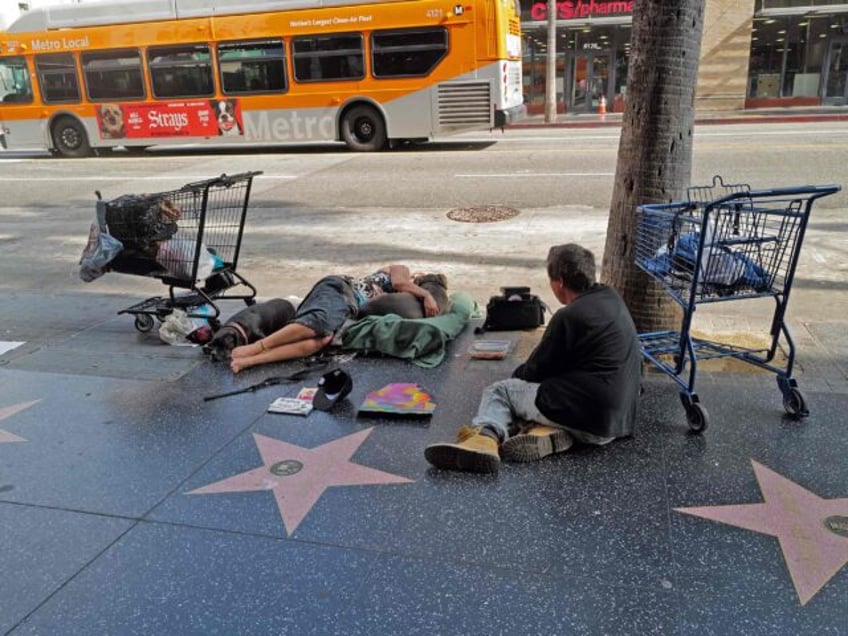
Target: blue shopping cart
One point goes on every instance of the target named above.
(726, 242)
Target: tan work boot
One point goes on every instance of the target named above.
(473, 452)
(537, 442)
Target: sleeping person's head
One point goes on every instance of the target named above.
(405, 304)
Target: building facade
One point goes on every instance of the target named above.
(754, 54)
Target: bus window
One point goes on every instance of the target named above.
(14, 81)
(407, 53)
(113, 75)
(252, 67)
(57, 77)
(328, 57)
(181, 71)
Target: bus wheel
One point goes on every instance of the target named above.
(70, 139)
(363, 129)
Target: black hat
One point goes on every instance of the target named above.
(332, 387)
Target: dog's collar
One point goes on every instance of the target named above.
(241, 331)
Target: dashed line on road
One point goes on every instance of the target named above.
(524, 175)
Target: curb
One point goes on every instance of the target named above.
(701, 121)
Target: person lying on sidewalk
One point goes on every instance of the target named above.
(330, 302)
(580, 384)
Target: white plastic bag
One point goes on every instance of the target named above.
(178, 326)
(177, 256)
(718, 265)
(175, 328)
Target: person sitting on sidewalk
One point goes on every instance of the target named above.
(330, 302)
(581, 382)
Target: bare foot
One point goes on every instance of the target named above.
(240, 364)
(245, 351)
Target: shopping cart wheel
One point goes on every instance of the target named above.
(696, 414)
(794, 403)
(143, 323)
(698, 418)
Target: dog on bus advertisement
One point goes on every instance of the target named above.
(227, 115)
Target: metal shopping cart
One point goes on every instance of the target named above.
(189, 239)
(724, 243)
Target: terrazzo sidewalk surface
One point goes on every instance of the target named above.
(129, 505)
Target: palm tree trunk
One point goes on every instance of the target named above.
(655, 150)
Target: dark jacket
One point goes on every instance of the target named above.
(588, 365)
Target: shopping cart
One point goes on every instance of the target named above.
(189, 239)
(725, 243)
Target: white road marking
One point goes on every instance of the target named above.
(139, 178)
(6, 346)
(536, 174)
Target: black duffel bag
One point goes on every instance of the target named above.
(514, 308)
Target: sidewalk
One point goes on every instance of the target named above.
(758, 116)
(129, 505)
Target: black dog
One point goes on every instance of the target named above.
(404, 304)
(249, 325)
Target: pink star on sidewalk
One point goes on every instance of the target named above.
(299, 476)
(9, 411)
(813, 532)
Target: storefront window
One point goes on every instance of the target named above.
(806, 47)
(787, 54)
(535, 59)
(591, 61)
(786, 4)
(767, 49)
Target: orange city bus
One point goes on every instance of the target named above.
(135, 73)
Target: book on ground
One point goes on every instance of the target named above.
(291, 406)
(399, 398)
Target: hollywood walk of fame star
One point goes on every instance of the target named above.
(9, 411)
(299, 476)
(813, 532)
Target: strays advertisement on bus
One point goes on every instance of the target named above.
(198, 118)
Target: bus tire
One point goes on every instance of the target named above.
(70, 138)
(363, 129)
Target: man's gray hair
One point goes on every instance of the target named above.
(573, 265)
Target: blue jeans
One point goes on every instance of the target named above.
(507, 403)
(327, 305)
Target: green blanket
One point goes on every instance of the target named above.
(419, 340)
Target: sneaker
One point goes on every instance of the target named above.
(535, 443)
(473, 452)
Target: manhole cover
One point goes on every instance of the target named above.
(482, 214)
